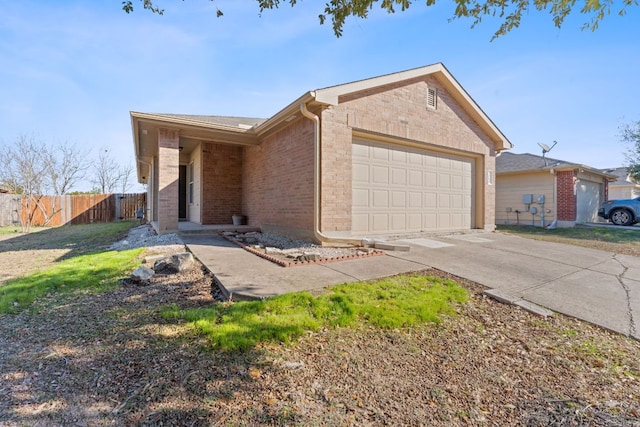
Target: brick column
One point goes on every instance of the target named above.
(566, 203)
(168, 174)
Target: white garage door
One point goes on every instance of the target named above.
(589, 198)
(399, 189)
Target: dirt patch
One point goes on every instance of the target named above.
(18, 262)
(109, 359)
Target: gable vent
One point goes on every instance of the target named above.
(432, 97)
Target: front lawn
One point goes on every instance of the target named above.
(395, 302)
(617, 240)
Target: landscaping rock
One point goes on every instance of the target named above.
(175, 263)
(309, 256)
(142, 274)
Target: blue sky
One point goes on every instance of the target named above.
(72, 70)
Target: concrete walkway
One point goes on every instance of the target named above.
(596, 286)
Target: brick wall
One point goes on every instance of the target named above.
(400, 111)
(221, 183)
(566, 196)
(278, 181)
(168, 173)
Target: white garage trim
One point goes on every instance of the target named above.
(400, 189)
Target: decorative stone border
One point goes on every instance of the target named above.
(283, 263)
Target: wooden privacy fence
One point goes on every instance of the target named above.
(55, 211)
(9, 209)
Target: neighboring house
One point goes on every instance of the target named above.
(396, 154)
(624, 187)
(572, 193)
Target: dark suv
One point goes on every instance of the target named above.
(621, 212)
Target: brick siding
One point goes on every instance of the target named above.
(400, 111)
(278, 181)
(168, 173)
(221, 183)
(566, 196)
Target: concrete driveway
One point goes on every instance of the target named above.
(597, 286)
(600, 287)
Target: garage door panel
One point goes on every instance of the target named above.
(402, 189)
(360, 223)
(415, 199)
(379, 174)
(430, 200)
(360, 198)
(398, 222)
(415, 178)
(444, 181)
(430, 179)
(398, 199)
(456, 201)
(398, 176)
(444, 220)
(380, 152)
(379, 222)
(399, 156)
(414, 221)
(361, 173)
(359, 151)
(430, 221)
(444, 201)
(444, 163)
(457, 182)
(429, 161)
(379, 198)
(589, 198)
(414, 158)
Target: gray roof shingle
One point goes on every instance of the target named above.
(512, 162)
(217, 120)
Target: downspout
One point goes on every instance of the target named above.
(149, 189)
(317, 234)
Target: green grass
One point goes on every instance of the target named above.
(85, 266)
(9, 230)
(80, 239)
(601, 234)
(396, 302)
(98, 272)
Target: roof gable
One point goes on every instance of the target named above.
(623, 175)
(331, 95)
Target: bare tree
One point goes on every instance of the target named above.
(24, 171)
(66, 166)
(126, 177)
(108, 173)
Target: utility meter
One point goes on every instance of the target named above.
(533, 210)
(540, 199)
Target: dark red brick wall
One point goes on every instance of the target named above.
(566, 196)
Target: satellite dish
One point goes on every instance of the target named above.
(546, 149)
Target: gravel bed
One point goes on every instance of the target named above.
(288, 252)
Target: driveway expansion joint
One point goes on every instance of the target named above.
(509, 299)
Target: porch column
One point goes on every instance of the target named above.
(168, 175)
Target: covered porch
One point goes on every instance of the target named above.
(193, 168)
